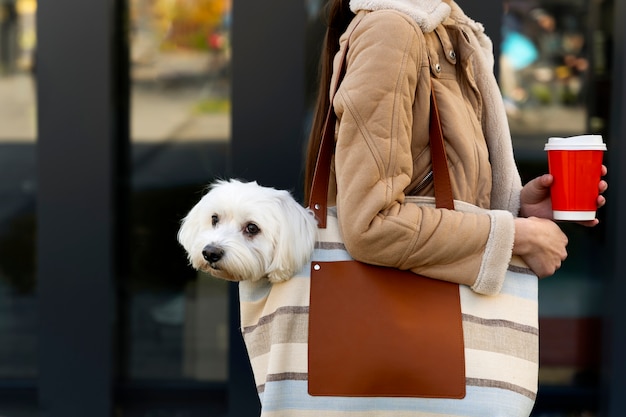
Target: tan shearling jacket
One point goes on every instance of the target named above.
(382, 156)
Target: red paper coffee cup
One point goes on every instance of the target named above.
(576, 165)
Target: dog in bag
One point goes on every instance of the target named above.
(241, 231)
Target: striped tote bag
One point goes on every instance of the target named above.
(500, 337)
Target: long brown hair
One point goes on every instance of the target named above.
(339, 17)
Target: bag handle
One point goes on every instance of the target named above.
(441, 173)
(318, 201)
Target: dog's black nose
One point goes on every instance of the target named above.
(212, 253)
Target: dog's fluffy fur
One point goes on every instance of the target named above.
(243, 231)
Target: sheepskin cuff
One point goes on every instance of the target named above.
(497, 253)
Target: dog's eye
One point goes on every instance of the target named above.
(252, 229)
(214, 219)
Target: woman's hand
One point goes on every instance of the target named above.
(535, 198)
(541, 244)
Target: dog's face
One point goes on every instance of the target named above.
(242, 231)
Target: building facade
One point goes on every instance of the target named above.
(114, 116)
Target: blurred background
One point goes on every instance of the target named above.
(116, 114)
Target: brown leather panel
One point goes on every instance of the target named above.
(382, 332)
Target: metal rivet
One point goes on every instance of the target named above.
(317, 267)
(452, 54)
(437, 67)
(316, 206)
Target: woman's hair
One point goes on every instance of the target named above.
(339, 16)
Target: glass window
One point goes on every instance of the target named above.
(18, 307)
(553, 76)
(176, 322)
(544, 64)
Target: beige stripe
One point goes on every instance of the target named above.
(295, 292)
(517, 355)
(499, 384)
(498, 367)
(284, 328)
(479, 333)
(518, 348)
(501, 340)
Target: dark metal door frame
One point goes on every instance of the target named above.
(81, 151)
(614, 365)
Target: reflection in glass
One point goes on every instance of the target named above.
(18, 308)
(547, 80)
(177, 324)
(543, 66)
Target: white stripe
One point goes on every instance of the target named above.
(498, 367)
(500, 307)
(331, 232)
(283, 358)
(289, 357)
(259, 368)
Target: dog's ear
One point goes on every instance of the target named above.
(189, 228)
(295, 241)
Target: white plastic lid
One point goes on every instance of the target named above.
(576, 143)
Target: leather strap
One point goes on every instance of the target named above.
(443, 186)
(318, 199)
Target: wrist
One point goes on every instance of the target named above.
(523, 234)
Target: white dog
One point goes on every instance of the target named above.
(243, 231)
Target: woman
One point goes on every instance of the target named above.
(382, 155)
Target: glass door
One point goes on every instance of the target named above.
(554, 73)
(175, 321)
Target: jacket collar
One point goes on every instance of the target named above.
(428, 14)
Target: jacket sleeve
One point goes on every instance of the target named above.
(373, 166)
